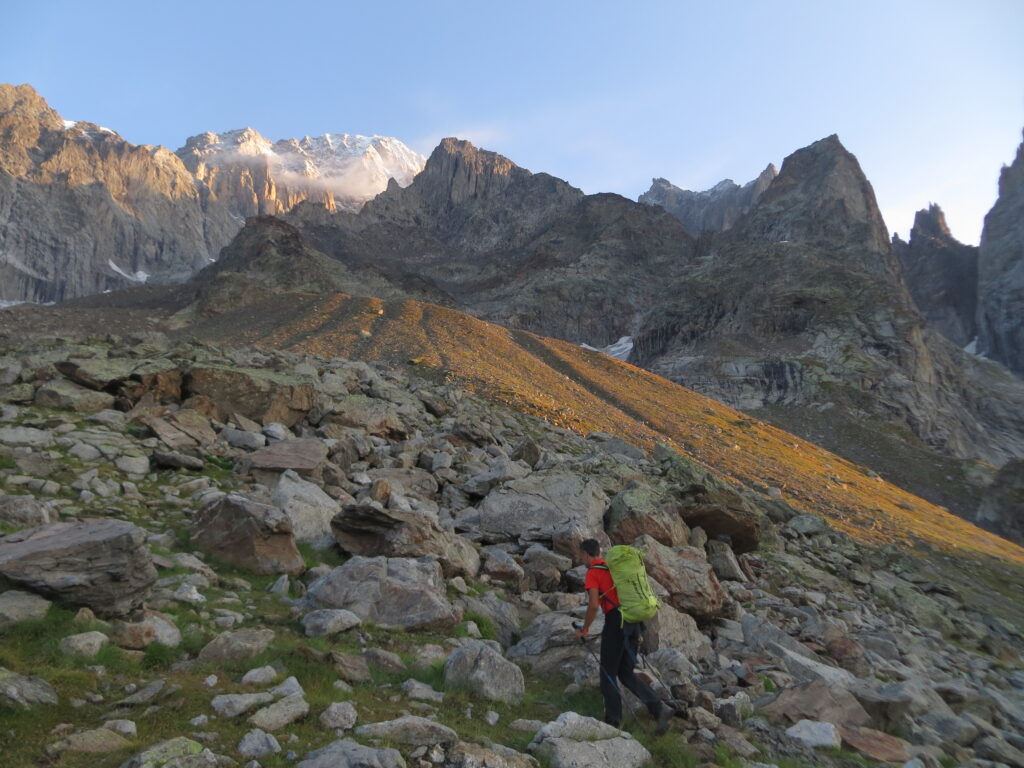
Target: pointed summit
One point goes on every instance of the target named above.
(820, 197)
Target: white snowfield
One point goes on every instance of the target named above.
(619, 350)
(138, 277)
(348, 164)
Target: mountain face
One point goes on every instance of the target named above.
(253, 176)
(715, 209)
(82, 211)
(942, 275)
(513, 247)
(1001, 272)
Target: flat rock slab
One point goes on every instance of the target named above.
(236, 646)
(411, 731)
(25, 692)
(281, 713)
(179, 751)
(301, 455)
(351, 754)
(98, 741)
(100, 564)
(484, 672)
(575, 741)
(875, 744)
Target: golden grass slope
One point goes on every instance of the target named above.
(584, 390)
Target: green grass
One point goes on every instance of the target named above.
(7, 462)
(313, 557)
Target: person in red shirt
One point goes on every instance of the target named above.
(618, 643)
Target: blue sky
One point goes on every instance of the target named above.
(607, 95)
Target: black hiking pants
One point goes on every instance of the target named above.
(618, 654)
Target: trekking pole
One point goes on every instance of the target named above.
(583, 642)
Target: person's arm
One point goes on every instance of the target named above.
(593, 601)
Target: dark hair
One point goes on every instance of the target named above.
(591, 547)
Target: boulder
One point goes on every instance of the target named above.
(678, 631)
(410, 731)
(26, 436)
(875, 744)
(500, 471)
(257, 743)
(466, 755)
(85, 645)
(377, 417)
(304, 456)
(328, 621)
(179, 752)
(503, 615)
(542, 507)
(724, 563)
(351, 754)
(64, 394)
(100, 564)
(152, 627)
(818, 701)
(815, 734)
(640, 509)
(23, 511)
(98, 741)
(393, 592)
(575, 741)
(281, 713)
(370, 530)
(236, 646)
(25, 692)
(484, 672)
(686, 575)
(235, 704)
(263, 395)
(308, 507)
(340, 715)
(248, 534)
(413, 481)
(549, 646)
(16, 606)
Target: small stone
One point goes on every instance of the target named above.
(260, 676)
(288, 687)
(341, 715)
(199, 721)
(281, 713)
(124, 727)
(85, 645)
(235, 704)
(491, 717)
(329, 621)
(210, 681)
(257, 743)
(187, 593)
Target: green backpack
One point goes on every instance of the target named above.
(637, 602)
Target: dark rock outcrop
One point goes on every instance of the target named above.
(1001, 272)
(942, 275)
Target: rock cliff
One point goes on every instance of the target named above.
(1001, 272)
(253, 176)
(942, 275)
(83, 211)
(715, 209)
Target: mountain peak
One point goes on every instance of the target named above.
(821, 197)
(930, 222)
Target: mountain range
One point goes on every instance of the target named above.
(784, 297)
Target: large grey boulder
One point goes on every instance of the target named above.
(542, 507)
(347, 753)
(575, 741)
(394, 592)
(640, 509)
(370, 530)
(246, 533)
(308, 507)
(26, 436)
(484, 672)
(100, 564)
(25, 692)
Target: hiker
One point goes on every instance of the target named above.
(619, 643)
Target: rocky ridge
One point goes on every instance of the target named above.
(942, 275)
(1001, 272)
(715, 209)
(802, 636)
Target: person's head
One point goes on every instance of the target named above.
(590, 549)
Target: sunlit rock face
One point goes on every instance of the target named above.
(83, 211)
(253, 176)
(1001, 272)
(942, 275)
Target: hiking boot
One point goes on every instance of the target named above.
(664, 718)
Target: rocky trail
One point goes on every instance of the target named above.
(238, 557)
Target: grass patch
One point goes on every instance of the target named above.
(7, 462)
(313, 557)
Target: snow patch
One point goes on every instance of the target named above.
(7, 304)
(619, 350)
(69, 124)
(139, 277)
